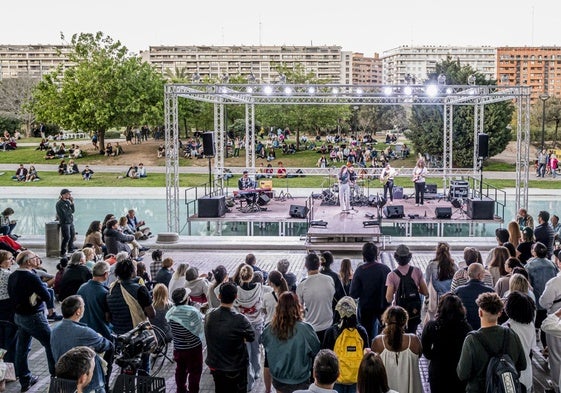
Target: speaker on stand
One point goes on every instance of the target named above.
(208, 151)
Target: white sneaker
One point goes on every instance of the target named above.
(416, 204)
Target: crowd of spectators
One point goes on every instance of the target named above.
(467, 302)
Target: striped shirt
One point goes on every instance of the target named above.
(183, 338)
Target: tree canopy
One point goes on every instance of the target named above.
(426, 122)
(105, 88)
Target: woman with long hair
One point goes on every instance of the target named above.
(419, 173)
(514, 233)
(524, 249)
(344, 179)
(399, 351)
(290, 345)
(250, 303)
(162, 304)
(178, 278)
(372, 376)
(502, 285)
(94, 238)
(346, 275)
(442, 341)
(439, 273)
(270, 301)
(497, 264)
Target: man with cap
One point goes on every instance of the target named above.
(65, 215)
(226, 332)
(403, 256)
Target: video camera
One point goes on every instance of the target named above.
(131, 345)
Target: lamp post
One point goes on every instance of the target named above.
(544, 97)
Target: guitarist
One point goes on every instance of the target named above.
(419, 173)
(386, 177)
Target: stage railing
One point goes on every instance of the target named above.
(480, 190)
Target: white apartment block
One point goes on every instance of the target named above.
(405, 62)
(328, 63)
(31, 61)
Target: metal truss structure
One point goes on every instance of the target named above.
(449, 96)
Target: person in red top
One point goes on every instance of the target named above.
(281, 172)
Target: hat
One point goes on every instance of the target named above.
(244, 172)
(402, 251)
(346, 307)
(65, 191)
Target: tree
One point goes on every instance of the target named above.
(552, 114)
(106, 88)
(426, 123)
(15, 94)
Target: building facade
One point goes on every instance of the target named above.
(327, 63)
(537, 67)
(31, 61)
(366, 70)
(412, 64)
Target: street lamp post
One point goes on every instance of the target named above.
(544, 97)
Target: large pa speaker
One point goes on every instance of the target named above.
(298, 211)
(263, 200)
(443, 212)
(483, 143)
(212, 206)
(393, 211)
(208, 144)
(480, 209)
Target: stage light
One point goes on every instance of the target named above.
(249, 89)
(288, 90)
(408, 90)
(335, 90)
(268, 90)
(388, 91)
(359, 91)
(449, 90)
(432, 90)
(311, 90)
(441, 79)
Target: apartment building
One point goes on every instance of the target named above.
(413, 63)
(366, 70)
(537, 67)
(328, 63)
(32, 61)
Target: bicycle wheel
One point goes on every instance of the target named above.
(159, 354)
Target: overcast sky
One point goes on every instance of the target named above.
(366, 26)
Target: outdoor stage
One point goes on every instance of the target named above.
(327, 227)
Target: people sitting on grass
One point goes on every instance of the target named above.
(21, 173)
(87, 173)
(141, 170)
(72, 168)
(108, 150)
(161, 151)
(132, 172)
(50, 154)
(32, 174)
(62, 167)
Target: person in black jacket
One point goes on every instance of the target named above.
(226, 333)
(326, 262)
(65, 214)
(115, 240)
(442, 341)
(74, 276)
(544, 232)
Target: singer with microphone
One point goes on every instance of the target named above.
(419, 173)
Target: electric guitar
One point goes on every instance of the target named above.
(384, 179)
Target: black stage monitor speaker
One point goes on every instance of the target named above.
(208, 144)
(443, 212)
(394, 211)
(397, 192)
(483, 142)
(212, 206)
(430, 188)
(263, 200)
(298, 211)
(480, 209)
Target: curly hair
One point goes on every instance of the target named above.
(395, 321)
(288, 312)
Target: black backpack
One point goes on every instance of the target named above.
(407, 295)
(501, 376)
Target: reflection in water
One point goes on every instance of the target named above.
(33, 213)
